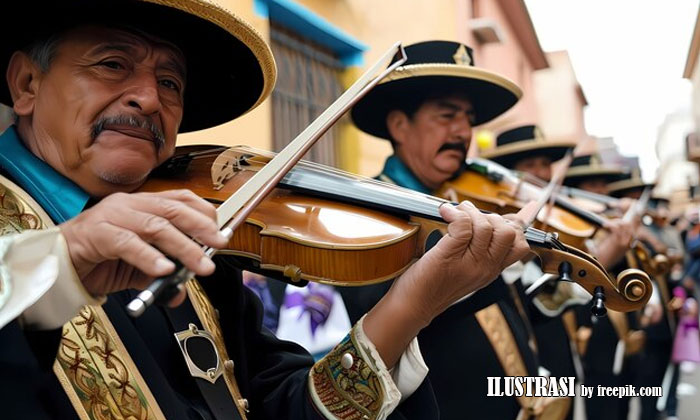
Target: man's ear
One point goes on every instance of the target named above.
(23, 78)
(397, 123)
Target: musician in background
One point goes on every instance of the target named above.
(427, 109)
(525, 149)
(99, 97)
(660, 330)
(609, 345)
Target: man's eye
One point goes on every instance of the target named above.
(448, 116)
(114, 65)
(170, 84)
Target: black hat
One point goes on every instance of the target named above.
(629, 182)
(432, 68)
(522, 142)
(230, 68)
(588, 167)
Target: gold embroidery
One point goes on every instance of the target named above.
(350, 389)
(100, 372)
(501, 338)
(208, 317)
(92, 364)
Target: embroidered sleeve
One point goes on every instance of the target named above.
(38, 281)
(352, 382)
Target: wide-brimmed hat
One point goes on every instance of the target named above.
(630, 181)
(432, 68)
(523, 142)
(589, 167)
(230, 68)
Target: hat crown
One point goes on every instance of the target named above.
(587, 160)
(523, 133)
(438, 52)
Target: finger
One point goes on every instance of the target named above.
(169, 239)
(482, 230)
(186, 218)
(459, 226)
(192, 200)
(502, 240)
(113, 243)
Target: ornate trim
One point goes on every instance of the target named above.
(344, 385)
(97, 372)
(501, 338)
(92, 364)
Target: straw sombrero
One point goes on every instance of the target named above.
(230, 68)
(522, 142)
(629, 182)
(435, 67)
(589, 167)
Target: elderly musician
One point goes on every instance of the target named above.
(427, 110)
(100, 91)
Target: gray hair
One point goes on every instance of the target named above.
(43, 51)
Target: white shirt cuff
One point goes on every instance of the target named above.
(406, 376)
(39, 280)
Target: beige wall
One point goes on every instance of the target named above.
(378, 24)
(508, 59)
(253, 129)
(559, 102)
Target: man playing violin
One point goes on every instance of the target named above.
(658, 320)
(99, 97)
(610, 346)
(427, 109)
(525, 149)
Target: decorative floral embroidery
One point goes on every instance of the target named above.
(345, 384)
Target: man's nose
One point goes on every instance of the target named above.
(461, 127)
(142, 94)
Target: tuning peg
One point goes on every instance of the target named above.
(565, 271)
(598, 308)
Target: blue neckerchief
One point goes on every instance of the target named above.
(398, 172)
(59, 196)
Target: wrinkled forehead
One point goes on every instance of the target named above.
(130, 40)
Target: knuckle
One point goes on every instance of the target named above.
(154, 225)
(169, 208)
(122, 239)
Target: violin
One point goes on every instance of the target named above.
(325, 225)
(495, 188)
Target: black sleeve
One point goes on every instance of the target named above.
(273, 373)
(26, 358)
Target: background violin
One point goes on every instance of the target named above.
(325, 225)
(495, 188)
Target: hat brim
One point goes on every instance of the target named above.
(507, 155)
(489, 93)
(619, 188)
(230, 67)
(578, 174)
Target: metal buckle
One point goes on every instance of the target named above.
(211, 374)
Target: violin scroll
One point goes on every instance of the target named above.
(628, 292)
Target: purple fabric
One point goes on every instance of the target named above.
(318, 303)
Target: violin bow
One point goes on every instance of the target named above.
(232, 212)
(549, 193)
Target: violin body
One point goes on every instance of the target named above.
(300, 236)
(324, 225)
(494, 190)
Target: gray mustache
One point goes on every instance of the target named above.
(131, 121)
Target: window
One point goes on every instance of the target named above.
(307, 83)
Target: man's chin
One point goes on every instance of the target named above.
(123, 180)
